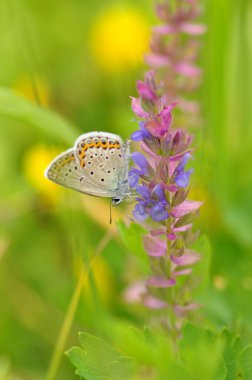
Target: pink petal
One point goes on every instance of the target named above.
(192, 28)
(165, 29)
(182, 272)
(158, 232)
(185, 208)
(188, 258)
(160, 282)
(172, 188)
(182, 310)
(145, 91)
(137, 108)
(135, 292)
(157, 60)
(183, 228)
(171, 236)
(187, 69)
(154, 303)
(154, 246)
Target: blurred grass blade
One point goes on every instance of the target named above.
(16, 107)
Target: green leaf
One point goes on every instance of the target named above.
(201, 352)
(18, 108)
(245, 364)
(132, 238)
(231, 353)
(97, 360)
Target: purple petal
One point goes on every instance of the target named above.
(183, 162)
(159, 191)
(137, 108)
(154, 303)
(160, 282)
(137, 136)
(182, 179)
(140, 213)
(144, 191)
(185, 208)
(144, 130)
(140, 160)
(186, 259)
(159, 213)
(154, 246)
(133, 178)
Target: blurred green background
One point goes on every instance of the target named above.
(80, 60)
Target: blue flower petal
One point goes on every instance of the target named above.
(144, 192)
(140, 213)
(141, 161)
(158, 212)
(159, 191)
(182, 178)
(137, 136)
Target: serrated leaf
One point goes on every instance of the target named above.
(98, 360)
(132, 238)
(231, 354)
(201, 353)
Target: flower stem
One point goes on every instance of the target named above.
(60, 345)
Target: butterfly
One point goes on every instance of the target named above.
(97, 165)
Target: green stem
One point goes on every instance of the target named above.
(65, 329)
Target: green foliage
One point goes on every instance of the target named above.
(16, 107)
(201, 353)
(97, 360)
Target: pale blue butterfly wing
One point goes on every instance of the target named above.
(97, 165)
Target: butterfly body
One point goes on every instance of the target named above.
(97, 165)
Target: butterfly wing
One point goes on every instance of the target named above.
(65, 171)
(101, 157)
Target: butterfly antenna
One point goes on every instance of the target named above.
(110, 212)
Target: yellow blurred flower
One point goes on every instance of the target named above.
(36, 160)
(119, 38)
(25, 87)
(103, 281)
